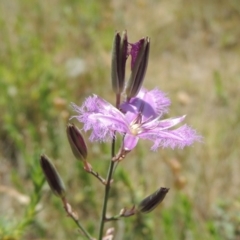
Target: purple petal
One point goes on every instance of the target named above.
(151, 104)
(170, 122)
(133, 50)
(159, 101)
(101, 117)
(180, 137)
(130, 142)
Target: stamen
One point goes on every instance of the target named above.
(135, 129)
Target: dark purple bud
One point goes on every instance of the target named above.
(152, 201)
(140, 55)
(77, 142)
(119, 58)
(53, 178)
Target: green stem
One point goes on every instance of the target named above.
(109, 177)
(107, 188)
(87, 235)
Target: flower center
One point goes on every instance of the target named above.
(136, 125)
(135, 128)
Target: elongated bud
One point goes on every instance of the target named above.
(77, 142)
(119, 58)
(139, 68)
(53, 178)
(152, 201)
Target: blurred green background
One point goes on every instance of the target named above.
(56, 52)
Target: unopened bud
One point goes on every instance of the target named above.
(139, 68)
(152, 201)
(77, 142)
(53, 178)
(119, 58)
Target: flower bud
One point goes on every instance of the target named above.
(151, 202)
(139, 68)
(119, 58)
(77, 142)
(53, 178)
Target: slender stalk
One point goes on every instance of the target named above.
(82, 228)
(71, 214)
(109, 177)
(107, 188)
(96, 174)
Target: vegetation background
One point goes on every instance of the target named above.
(56, 52)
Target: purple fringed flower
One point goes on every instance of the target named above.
(138, 118)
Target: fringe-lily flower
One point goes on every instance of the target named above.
(140, 117)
